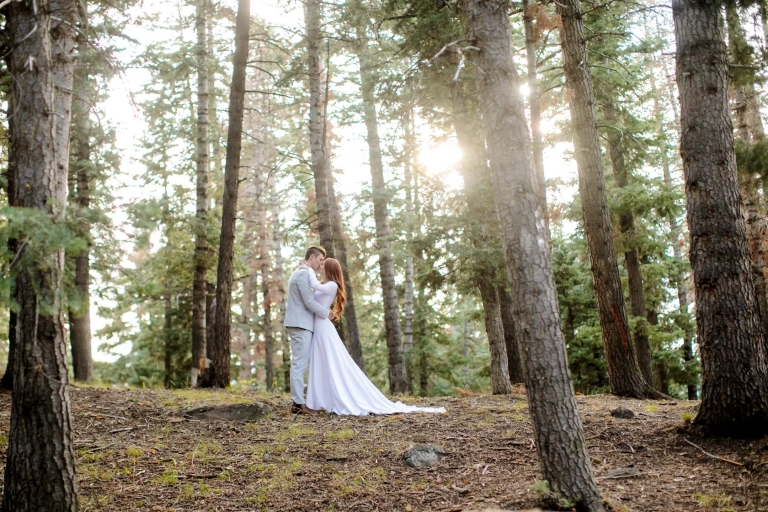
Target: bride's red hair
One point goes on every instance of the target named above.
(333, 273)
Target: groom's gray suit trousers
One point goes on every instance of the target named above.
(301, 341)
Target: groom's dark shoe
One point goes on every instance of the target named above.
(301, 409)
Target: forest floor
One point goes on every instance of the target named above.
(135, 452)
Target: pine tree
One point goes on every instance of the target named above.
(317, 127)
(478, 186)
(218, 374)
(202, 256)
(13, 246)
(623, 371)
(557, 426)
(529, 14)
(734, 395)
(397, 377)
(749, 130)
(82, 169)
(40, 451)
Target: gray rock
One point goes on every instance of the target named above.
(235, 412)
(423, 456)
(622, 412)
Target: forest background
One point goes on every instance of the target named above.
(140, 133)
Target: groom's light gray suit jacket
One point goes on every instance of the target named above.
(301, 306)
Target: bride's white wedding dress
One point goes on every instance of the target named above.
(336, 384)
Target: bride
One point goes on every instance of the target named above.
(336, 383)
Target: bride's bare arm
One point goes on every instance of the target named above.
(329, 287)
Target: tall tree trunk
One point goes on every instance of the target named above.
(317, 143)
(623, 371)
(261, 183)
(421, 340)
(7, 381)
(674, 229)
(277, 248)
(167, 341)
(515, 365)
(529, 14)
(269, 371)
(408, 284)
(494, 329)
(731, 338)
(328, 216)
(465, 366)
(660, 367)
(559, 437)
(13, 246)
(40, 465)
(477, 186)
(202, 174)
(631, 257)
(244, 373)
(217, 375)
(398, 382)
(352, 339)
(214, 134)
(80, 319)
(210, 323)
(749, 127)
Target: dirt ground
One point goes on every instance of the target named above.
(135, 453)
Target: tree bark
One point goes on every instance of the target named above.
(408, 285)
(218, 374)
(202, 175)
(749, 127)
(515, 365)
(731, 338)
(40, 466)
(13, 246)
(317, 143)
(328, 216)
(269, 371)
(264, 265)
(80, 319)
(763, 10)
(352, 339)
(477, 186)
(529, 12)
(674, 228)
(465, 353)
(210, 322)
(244, 372)
(398, 382)
(494, 328)
(421, 339)
(623, 372)
(559, 437)
(7, 381)
(277, 248)
(167, 338)
(660, 367)
(631, 257)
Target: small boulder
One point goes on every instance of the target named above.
(623, 413)
(423, 456)
(234, 412)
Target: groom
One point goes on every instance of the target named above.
(300, 311)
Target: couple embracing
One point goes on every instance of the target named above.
(336, 384)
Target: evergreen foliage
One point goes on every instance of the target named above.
(142, 252)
